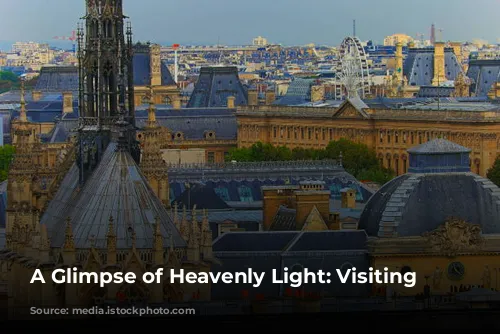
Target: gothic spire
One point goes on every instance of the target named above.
(22, 116)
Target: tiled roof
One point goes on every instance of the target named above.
(438, 146)
(116, 189)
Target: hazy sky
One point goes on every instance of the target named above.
(280, 21)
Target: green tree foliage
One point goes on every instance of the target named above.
(10, 81)
(6, 156)
(357, 159)
(494, 172)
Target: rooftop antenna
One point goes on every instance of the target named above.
(353, 28)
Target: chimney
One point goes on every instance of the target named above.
(457, 50)
(348, 198)
(305, 201)
(270, 97)
(334, 221)
(67, 102)
(230, 102)
(155, 54)
(253, 97)
(273, 199)
(176, 102)
(37, 95)
(439, 65)
(399, 61)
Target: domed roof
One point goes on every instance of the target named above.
(413, 204)
(439, 146)
(439, 186)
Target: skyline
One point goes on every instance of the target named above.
(207, 22)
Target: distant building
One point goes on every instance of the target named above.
(260, 41)
(392, 40)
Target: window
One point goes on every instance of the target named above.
(223, 193)
(227, 227)
(211, 157)
(245, 194)
(178, 136)
(210, 135)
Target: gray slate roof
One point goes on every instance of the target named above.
(253, 241)
(328, 241)
(289, 242)
(215, 84)
(416, 203)
(58, 79)
(419, 66)
(483, 73)
(116, 189)
(439, 146)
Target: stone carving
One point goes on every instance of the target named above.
(486, 277)
(436, 278)
(456, 236)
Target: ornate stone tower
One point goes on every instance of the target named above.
(439, 65)
(399, 62)
(21, 202)
(106, 91)
(152, 164)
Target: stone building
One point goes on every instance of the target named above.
(439, 220)
(389, 126)
(100, 203)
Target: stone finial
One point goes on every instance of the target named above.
(44, 238)
(158, 237)
(22, 116)
(111, 236)
(69, 241)
(176, 215)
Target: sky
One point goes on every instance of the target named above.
(237, 22)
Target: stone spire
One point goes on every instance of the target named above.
(194, 237)
(111, 242)
(69, 241)
(176, 216)
(206, 237)
(158, 237)
(158, 243)
(151, 110)
(152, 164)
(22, 115)
(185, 228)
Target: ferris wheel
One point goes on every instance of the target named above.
(353, 63)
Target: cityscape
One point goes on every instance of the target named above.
(127, 155)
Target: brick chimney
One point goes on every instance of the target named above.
(305, 201)
(270, 97)
(348, 198)
(439, 64)
(230, 102)
(176, 102)
(67, 102)
(273, 198)
(36, 95)
(253, 97)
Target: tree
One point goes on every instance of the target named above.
(357, 159)
(6, 156)
(494, 172)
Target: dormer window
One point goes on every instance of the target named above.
(209, 135)
(178, 136)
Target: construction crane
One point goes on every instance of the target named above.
(71, 38)
(420, 38)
